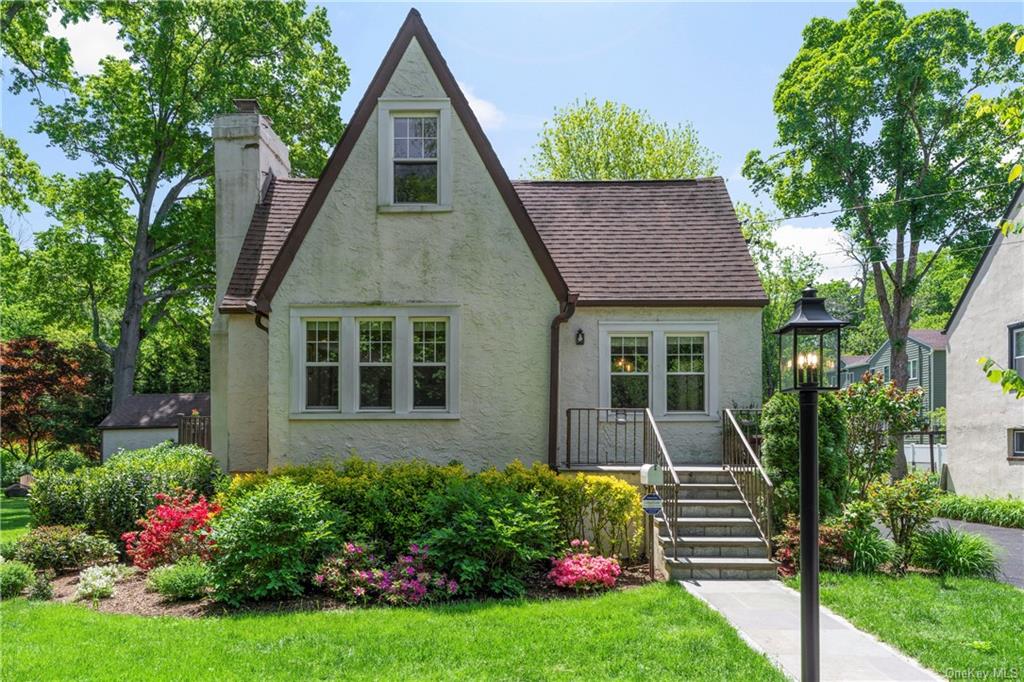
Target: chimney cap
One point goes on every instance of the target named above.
(246, 106)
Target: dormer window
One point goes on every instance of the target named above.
(414, 155)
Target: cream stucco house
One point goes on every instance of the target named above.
(985, 427)
(413, 301)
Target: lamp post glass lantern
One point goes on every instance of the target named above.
(809, 347)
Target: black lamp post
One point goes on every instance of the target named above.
(809, 362)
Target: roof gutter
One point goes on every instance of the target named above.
(567, 310)
(261, 315)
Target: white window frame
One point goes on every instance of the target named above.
(446, 364)
(403, 316)
(704, 374)
(360, 363)
(657, 388)
(1016, 349)
(1014, 452)
(650, 365)
(913, 369)
(387, 110)
(306, 363)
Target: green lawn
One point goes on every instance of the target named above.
(14, 518)
(655, 632)
(966, 625)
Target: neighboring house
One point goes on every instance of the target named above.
(413, 301)
(986, 426)
(926, 365)
(147, 419)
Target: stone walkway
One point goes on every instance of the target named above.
(767, 615)
(1009, 543)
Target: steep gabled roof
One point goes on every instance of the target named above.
(933, 338)
(413, 27)
(1018, 197)
(659, 242)
(855, 360)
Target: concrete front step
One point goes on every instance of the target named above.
(708, 491)
(717, 508)
(715, 546)
(721, 568)
(701, 474)
(701, 526)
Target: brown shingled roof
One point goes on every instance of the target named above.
(665, 242)
(155, 410)
(270, 224)
(933, 338)
(645, 242)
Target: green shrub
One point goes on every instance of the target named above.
(383, 505)
(188, 579)
(110, 498)
(268, 543)
(780, 454)
(66, 460)
(904, 506)
(57, 498)
(11, 468)
(954, 552)
(41, 589)
(867, 550)
(7, 548)
(63, 548)
(14, 578)
(1007, 512)
(490, 537)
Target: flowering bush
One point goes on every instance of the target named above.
(580, 570)
(358, 577)
(176, 528)
(97, 582)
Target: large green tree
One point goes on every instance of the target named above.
(144, 121)
(896, 119)
(588, 140)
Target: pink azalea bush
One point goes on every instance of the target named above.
(580, 570)
(358, 577)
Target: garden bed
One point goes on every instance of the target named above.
(131, 597)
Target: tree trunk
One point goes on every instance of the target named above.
(126, 353)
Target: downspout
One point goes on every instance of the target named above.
(567, 310)
(253, 308)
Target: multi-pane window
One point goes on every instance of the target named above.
(1018, 443)
(322, 363)
(684, 373)
(1017, 350)
(429, 364)
(415, 159)
(885, 373)
(914, 368)
(376, 364)
(630, 370)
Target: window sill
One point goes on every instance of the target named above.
(413, 208)
(1015, 459)
(373, 416)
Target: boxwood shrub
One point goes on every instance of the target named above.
(109, 499)
(14, 578)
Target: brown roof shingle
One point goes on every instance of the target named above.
(933, 338)
(645, 242)
(271, 222)
(668, 242)
(155, 410)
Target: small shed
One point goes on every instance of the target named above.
(147, 419)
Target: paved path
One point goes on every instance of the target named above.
(767, 615)
(1009, 543)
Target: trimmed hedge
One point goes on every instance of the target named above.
(109, 499)
(1006, 512)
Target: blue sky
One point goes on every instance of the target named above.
(713, 64)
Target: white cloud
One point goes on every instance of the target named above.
(90, 41)
(822, 244)
(487, 112)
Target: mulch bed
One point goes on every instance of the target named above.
(131, 597)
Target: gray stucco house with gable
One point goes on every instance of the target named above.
(414, 301)
(926, 357)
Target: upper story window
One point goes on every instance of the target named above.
(1017, 348)
(375, 362)
(914, 368)
(669, 367)
(1017, 443)
(414, 155)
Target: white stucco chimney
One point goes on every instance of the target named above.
(246, 153)
(246, 150)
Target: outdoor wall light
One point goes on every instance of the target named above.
(809, 362)
(579, 337)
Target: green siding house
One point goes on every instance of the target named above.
(926, 355)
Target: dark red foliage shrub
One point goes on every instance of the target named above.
(176, 528)
(832, 551)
